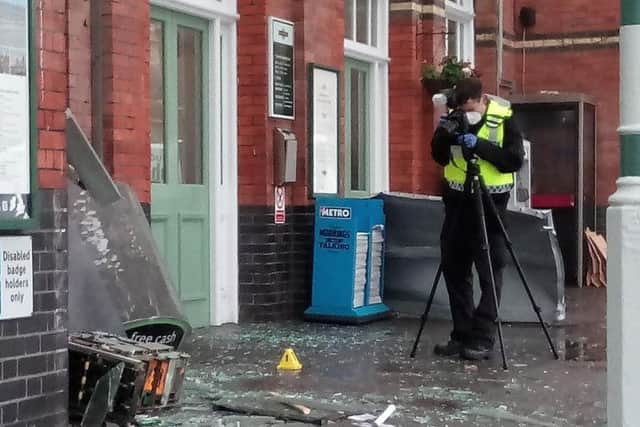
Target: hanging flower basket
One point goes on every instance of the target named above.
(436, 85)
(445, 75)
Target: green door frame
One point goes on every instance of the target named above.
(364, 93)
(179, 218)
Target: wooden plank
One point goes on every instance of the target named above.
(592, 265)
(601, 244)
(599, 264)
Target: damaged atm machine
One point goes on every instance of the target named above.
(126, 324)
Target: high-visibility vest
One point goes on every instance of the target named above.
(492, 130)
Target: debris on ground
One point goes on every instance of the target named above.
(358, 370)
(382, 419)
(114, 378)
(502, 414)
(286, 410)
(147, 420)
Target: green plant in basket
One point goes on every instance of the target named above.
(446, 74)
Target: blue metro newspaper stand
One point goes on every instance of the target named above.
(348, 261)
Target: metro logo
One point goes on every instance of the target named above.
(341, 213)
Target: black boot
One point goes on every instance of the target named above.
(450, 348)
(477, 352)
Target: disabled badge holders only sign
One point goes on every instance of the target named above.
(16, 277)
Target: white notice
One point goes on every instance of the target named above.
(14, 135)
(14, 97)
(16, 277)
(325, 132)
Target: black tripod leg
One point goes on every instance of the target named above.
(478, 191)
(507, 240)
(425, 315)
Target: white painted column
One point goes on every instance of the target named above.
(623, 305)
(623, 235)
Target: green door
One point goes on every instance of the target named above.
(356, 74)
(179, 152)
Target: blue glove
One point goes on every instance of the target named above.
(443, 120)
(468, 140)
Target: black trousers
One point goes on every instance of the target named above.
(461, 248)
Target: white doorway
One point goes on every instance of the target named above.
(220, 128)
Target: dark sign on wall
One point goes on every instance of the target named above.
(281, 69)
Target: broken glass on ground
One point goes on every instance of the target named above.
(362, 370)
(102, 398)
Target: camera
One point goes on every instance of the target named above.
(455, 123)
(445, 97)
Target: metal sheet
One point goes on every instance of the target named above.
(87, 164)
(116, 275)
(413, 255)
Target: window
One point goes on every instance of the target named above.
(357, 124)
(366, 82)
(361, 21)
(459, 29)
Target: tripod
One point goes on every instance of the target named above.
(475, 186)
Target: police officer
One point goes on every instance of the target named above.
(496, 141)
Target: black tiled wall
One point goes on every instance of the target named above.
(275, 263)
(33, 351)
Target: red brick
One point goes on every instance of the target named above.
(49, 178)
(51, 159)
(52, 5)
(53, 61)
(119, 122)
(129, 172)
(54, 121)
(53, 81)
(54, 42)
(52, 100)
(43, 162)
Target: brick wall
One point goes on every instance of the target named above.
(79, 25)
(118, 120)
(255, 128)
(33, 351)
(275, 261)
(126, 118)
(568, 68)
(572, 16)
(582, 65)
(416, 36)
(52, 92)
(413, 39)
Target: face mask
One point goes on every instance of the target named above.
(474, 117)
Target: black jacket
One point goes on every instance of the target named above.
(507, 158)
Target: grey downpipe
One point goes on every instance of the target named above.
(499, 46)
